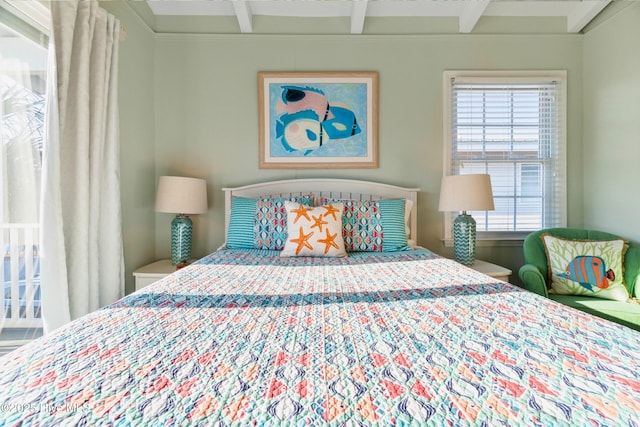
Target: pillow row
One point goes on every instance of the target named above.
(378, 226)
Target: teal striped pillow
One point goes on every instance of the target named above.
(393, 225)
(260, 223)
(240, 233)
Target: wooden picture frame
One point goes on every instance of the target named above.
(318, 120)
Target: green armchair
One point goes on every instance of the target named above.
(534, 276)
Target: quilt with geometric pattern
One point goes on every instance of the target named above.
(244, 337)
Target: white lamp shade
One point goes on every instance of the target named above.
(182, 195)
(466, 193)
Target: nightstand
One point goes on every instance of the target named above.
(492, 270)
(153, 272)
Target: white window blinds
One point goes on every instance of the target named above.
(512, 127)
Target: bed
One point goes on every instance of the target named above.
(406, 337)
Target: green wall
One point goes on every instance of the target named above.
(612, 124)
(206, 112)
(188, 106)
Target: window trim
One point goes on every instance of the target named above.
(32, 19)
(505, 76)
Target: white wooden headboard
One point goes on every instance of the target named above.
(326, 187)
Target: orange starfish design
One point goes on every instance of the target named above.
(329, 241)
(318, 222)
(331, 210)
(301, 211)
(302, 241)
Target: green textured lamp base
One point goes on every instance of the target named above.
(181, 233)
(464, 239)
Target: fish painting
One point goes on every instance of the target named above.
(307, 120)
(589, 271)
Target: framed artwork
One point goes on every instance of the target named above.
(318, 120)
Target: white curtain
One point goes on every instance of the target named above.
(82, 265)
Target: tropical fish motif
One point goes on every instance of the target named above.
(628, 401)
(476, 346)
(333, 408)
(507, 370)
(500, 407)
(342, 125)
(584, 384)
(604, 407)
(307, 120)
(157, 404)
(539, 356)
(613, 369)
(301, 131)
(347, 388)
(465, 388)
(554, 408)
(284, 409)
(541, 387)
(589, 271)
(367, 408)
(511, 388)
(298, 98)
(416, 409)
(466, 408)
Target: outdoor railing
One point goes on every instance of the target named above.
(21, 272)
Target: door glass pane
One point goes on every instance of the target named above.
(22, 90)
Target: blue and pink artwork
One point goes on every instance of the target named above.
(318, 119)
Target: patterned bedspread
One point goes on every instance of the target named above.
(248, 338)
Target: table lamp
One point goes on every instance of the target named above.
(465, 193)
(182, 196)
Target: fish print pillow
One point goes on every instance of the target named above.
(314, 231)
(589, 268)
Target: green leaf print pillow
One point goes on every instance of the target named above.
(589, 268)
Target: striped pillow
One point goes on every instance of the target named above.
(393, 224)
(240, 233)
(260, 223)
(373, 226)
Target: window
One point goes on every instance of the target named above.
(23, 71)
(510, 125)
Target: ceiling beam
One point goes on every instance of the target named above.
(583, 13)
(471, 13)
(358, 13)
(245, 19)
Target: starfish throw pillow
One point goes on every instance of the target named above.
(314, 231)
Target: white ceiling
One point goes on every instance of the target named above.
(578, 13)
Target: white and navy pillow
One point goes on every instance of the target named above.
(373, 225)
